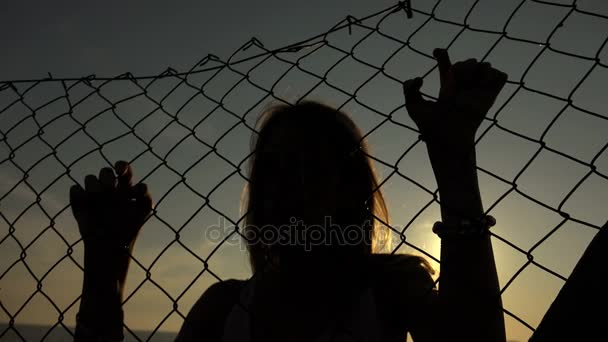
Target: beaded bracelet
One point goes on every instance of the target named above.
(464, 228)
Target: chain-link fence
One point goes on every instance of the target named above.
(543, 163)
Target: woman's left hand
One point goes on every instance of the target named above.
(468, 91)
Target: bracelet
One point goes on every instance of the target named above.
(465, 227)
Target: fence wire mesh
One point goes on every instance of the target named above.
(543, 163)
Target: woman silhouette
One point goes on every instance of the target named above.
(312, 229)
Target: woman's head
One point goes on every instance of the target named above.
(312, 190)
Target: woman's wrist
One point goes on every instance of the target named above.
(455, 170)
(103, 280)
(100, 314)
(448, 151)
(106, 261)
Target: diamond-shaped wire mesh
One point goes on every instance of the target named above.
(543, 164)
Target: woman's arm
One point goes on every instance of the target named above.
(100, 313)
(469, 303)
(468, 286)
(110, 213)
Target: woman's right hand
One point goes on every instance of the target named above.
(110, 210)
(468, 91)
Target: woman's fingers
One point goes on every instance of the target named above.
(107, 179)
(125, 174)
(443, 63)
(492, 83)
(143, 199)
(120, 167)
(100, 209)
(499, 80)
(446, 76)
(91, 184)
(418, 108)
(140, 189)
(77, 198)
(466, 73)
(411, 90)
(484, 73)
(491, 77)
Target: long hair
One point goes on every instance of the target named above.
(310, 167)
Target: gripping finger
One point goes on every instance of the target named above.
(497, 80)
(413, 98)
(91, 184)
(465, 72)
(107, 178)
(446, 74)
(139, 190)
(484, 72)
(143, 200)
(125, 174)
(77, 197)
(443, 63)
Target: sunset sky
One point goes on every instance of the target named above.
(77, 39)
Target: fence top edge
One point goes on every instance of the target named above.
(345, 23)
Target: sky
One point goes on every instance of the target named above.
(75, 39)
